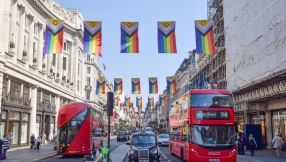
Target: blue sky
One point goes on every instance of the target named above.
(148, 62)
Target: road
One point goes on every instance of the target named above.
(113, 145)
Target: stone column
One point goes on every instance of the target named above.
(1, 89)
(21, 32)
(58, 97)
(49, 63)
(268, 130)
(40, 47)
(33, 115)
(31, 42)
(13, 19)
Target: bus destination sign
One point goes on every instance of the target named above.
(212, 115)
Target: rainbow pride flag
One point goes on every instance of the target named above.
(100, 86)
(122, 106)
(186, 97)
(153, 85)
(166, 37)
(135, 85)
(171, 85)
(150, 100)
(129, 37)
(92, 37)
(127, 100)
(139, 101)
(163, 101)
(204, 37)
(116, 100)
(54, 36)
(158, 106)
(118, 86)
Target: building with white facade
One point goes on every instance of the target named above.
(34, 85)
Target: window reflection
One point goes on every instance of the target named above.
(212, 136)
(211, 100)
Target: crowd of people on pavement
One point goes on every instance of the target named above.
(40, 140)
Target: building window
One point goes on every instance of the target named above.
(27, 21)
(34, 49)
(38, 99)
(54, 60)
(25, 42)
(26, 94)
(46, 100)
(66, 47)
(4, 90)
(77, 85)
(87, 57)
(88, 81)
(36, 30)
(53, 101)
(15, 89)
(64, 63)
(78, 68)
(88, 70)
(87, 95)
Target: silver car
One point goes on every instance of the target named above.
(163, 139)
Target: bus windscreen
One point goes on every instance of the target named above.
(211, 100)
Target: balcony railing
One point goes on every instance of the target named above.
(18, 100)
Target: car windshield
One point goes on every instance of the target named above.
(121, 133)
(211, 100)
(148, 129)
(163, 136)
(143, 139)
(212, 137)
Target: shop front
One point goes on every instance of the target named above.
(279, 124)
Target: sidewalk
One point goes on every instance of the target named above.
(264, 156)
(23, 154)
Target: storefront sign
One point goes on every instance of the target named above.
(212, 115)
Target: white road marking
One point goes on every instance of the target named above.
(161, 152)
(164, 156)
(169, 161)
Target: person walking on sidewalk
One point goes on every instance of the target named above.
(6, 145)
(243, 140)
(32, 140)
(252, 144)
(1, 149)
(39, 141)
(277, 143)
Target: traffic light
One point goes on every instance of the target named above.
(110, 103)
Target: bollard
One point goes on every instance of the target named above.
(240, 148)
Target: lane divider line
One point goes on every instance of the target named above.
(164, 156)
(169, 161)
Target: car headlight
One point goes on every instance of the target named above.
(132, 151)
(154, 151)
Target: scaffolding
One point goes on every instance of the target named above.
(212, 67)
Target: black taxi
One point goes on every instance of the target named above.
(144, 147)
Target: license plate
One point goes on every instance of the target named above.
(143, 160)
(214, 159)
(72, 151)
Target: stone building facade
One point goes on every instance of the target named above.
(34, 85)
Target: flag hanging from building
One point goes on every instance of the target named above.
(104, 67)
(186, 97)
(204, 37)
(150, 100)
(135, 85)
(163, 101)
(54, 36)
(116, 100)
(118, 86)
(92, 39)
(127, 100)
(139, 101)
(166, 37)
(171, 85)
(122, 106)
(153, 85)
(100, 86)
(129, 37)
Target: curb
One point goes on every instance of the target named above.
(44, 158)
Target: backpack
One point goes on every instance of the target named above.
(251, 142)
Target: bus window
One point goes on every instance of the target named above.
(185, 133)
(211, 100)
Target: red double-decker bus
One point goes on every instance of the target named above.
(202, 126)
(79, 128)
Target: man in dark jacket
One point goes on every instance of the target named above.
(32, 140)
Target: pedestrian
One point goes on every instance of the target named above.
(44, 138)
(32, 140)
(277, 143)
(243, 140)
(39, 140)
(49, 139)
(1, 150)
(6, 145)
(252, 144)
(238, 138)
